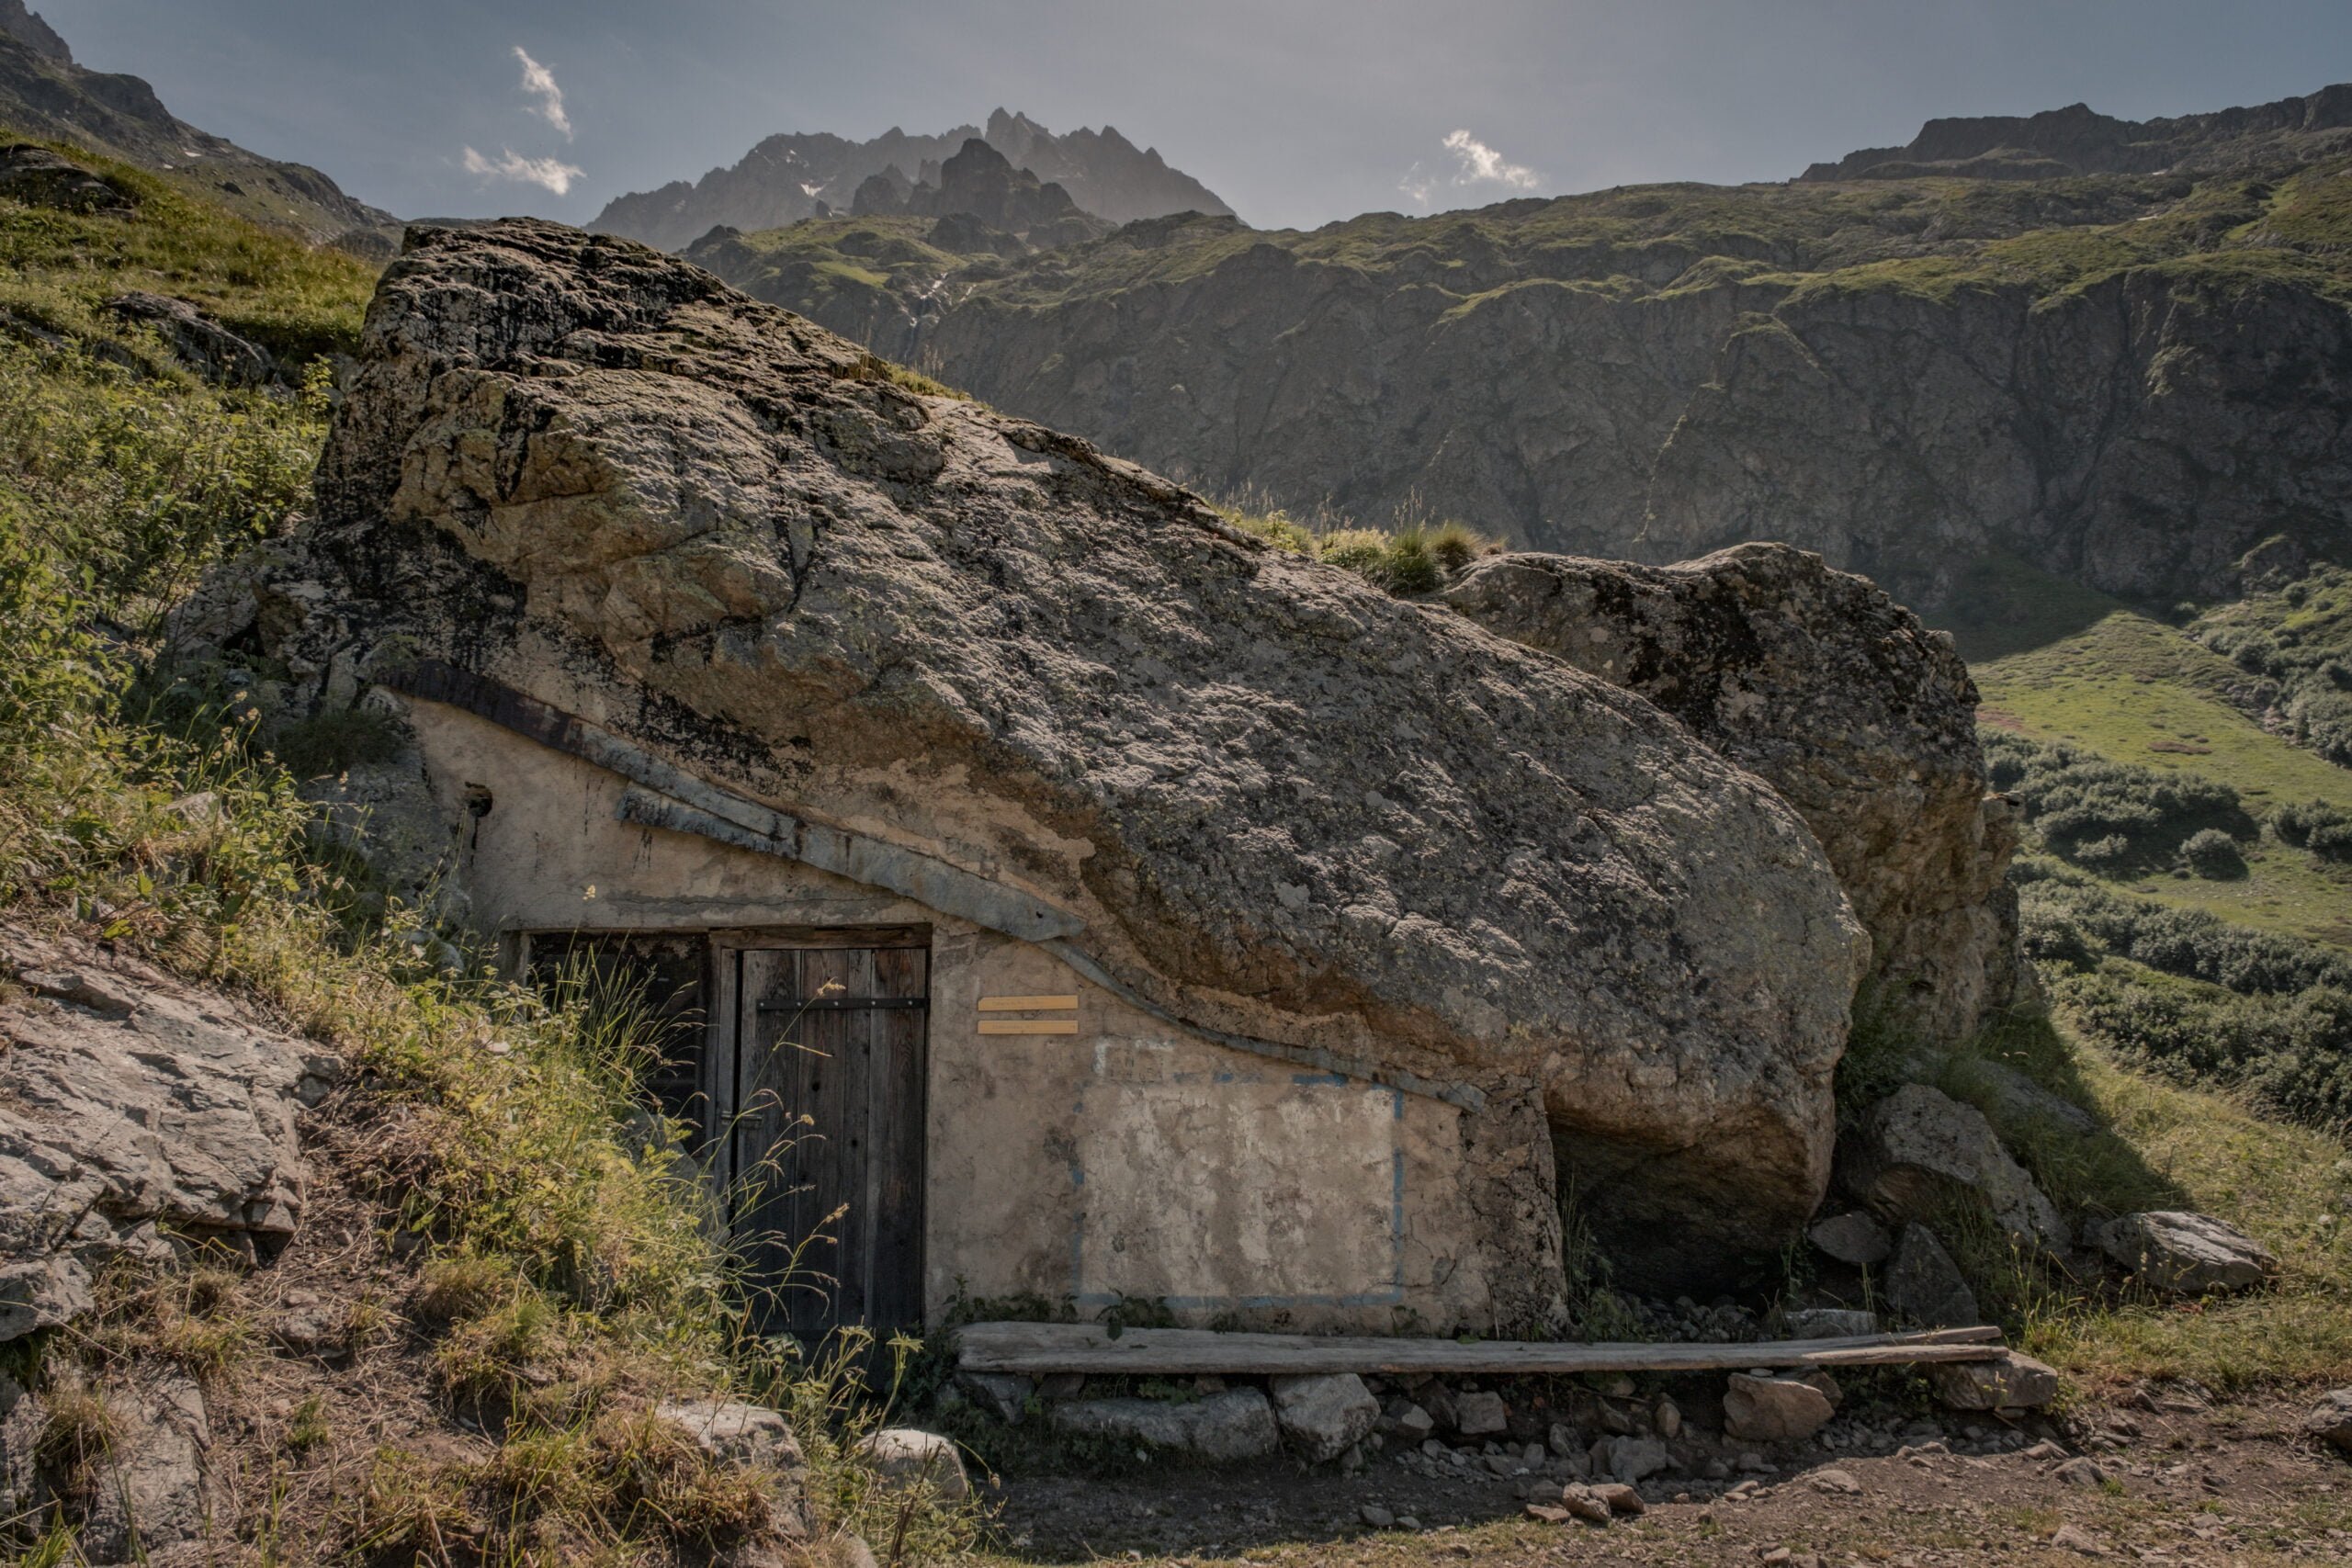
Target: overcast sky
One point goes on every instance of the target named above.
(1295, 111)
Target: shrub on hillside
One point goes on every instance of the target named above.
(2326, 830)
(140, 482)
(2104, 813)
(1411, 556)
(2212, 854)
(2300, 639)
(2068, 921)
(2291, 1054)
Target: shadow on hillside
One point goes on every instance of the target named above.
(2025, 1076)
(2000, 606)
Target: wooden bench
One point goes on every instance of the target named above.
(1037, 1350)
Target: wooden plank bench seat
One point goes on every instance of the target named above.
(1037, 1350)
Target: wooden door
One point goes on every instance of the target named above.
(829, 1133)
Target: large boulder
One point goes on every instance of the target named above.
(1918, 1150)
(136, 1116)
(1252, 790)
(1821, 685)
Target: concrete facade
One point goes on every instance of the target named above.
(1128, 1158)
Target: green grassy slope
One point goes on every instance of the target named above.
(2144, 691)
(2137, 690)
(58, 268)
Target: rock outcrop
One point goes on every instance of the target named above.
(28, 27)
(2178, 1254)
(1918, 1150)
(2330, 1420)
(1819, 684)
(2015, 1382)
(198, 342)
(39, 177)
(136, 1117)
(1272, 801)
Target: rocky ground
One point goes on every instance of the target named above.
(2156, 1475)
(226, 1340)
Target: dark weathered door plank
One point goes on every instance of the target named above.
(830, 1133)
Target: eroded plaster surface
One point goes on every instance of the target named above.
(1122, 1157)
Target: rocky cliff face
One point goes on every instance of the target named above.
(2127, 380)
(1837, 697)
(28, 27)
(787, 178)
(1279, 803)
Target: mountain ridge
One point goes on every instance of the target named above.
(2077, 140)
(45, 92)
(791, 177)
(2122, 380)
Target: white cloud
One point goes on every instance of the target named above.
(1481, 165)
(1476, 166)
(540, 83)
(549, 174)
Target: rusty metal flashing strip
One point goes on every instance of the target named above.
(667, 796)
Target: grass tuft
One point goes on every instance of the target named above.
(1410, 557)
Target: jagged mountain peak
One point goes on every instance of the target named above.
(27, 27)
(44, 94)
(1103, 173)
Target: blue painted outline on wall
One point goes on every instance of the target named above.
(1391, 1295)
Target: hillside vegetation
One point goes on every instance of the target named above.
(2187, 897)
(2134, 692)
(527, 1239)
